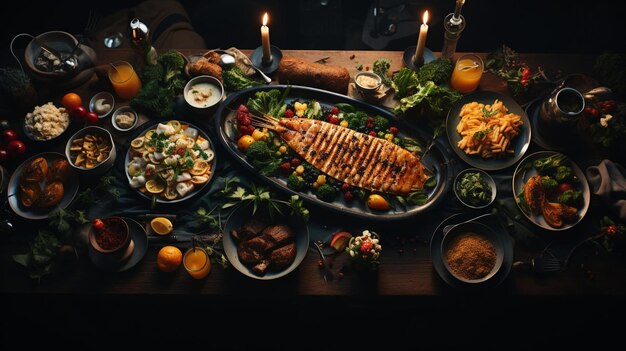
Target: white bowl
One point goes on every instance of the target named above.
(218, 89)
(108, 99)
(367, 90)
(124, 109)
(103, 166)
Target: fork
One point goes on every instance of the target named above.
(328, 275)
(542, 264)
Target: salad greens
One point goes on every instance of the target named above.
(380, 67)
(473, 189)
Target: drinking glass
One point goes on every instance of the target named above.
(197, 262)
(124, 79)
(467, 73)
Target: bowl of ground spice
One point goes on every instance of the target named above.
(111, 238)
(472, 252)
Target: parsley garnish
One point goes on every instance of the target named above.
(489, 114)
(481, 134)
(200, 151)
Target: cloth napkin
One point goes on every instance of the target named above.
(608, 181)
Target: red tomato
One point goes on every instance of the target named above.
(8, 135)
(16, 148)
(98, 224)
(563, 187)
(78, 112)
(91, 118)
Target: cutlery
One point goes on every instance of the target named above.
(449, 227)
(328, 275)
(227, 60)
(542, 264)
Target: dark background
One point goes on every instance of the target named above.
(526, 26)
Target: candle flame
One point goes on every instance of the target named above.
(265, 19)
(425, 18)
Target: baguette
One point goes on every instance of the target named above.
(300, 72)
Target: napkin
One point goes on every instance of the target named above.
(608, 181)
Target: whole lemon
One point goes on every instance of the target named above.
(169, 258)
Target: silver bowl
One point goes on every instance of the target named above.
(103, 166)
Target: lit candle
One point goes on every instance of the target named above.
(265, 39)
(457, 9)
(421, 39)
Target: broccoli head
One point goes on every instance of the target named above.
(381, 123)
(152, 72)
(571, 198)
(548, 184)
(295, 182)
(326, 193)
(154, 100)
(173, 64)
(563, 173)
(259, 150)
(235, 80)
(356, 120)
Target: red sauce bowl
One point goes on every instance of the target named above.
(113, 239)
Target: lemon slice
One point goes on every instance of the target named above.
(137, 143)
(199, 167)
(170, 193)
(154, 187)
(209, 154)
(161, 225)
(149, 133)
(175, 124)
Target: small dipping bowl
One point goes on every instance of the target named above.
(459, 249)
(367, 83)
(126, 245)
(200, 85)
(107, 98)
(124, 110)
(490, 182)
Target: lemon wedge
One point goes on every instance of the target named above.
(161, 225)
(154, 187)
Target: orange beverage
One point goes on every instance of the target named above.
(124, 79)
(467, 73)
(197, 263)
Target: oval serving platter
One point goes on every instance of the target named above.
(436, 159)
(142, 131)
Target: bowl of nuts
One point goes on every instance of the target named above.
(91, 150)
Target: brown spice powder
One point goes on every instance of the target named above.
(471, 256)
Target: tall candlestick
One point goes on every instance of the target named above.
(421, 39)
(456, 18)
(265, 40)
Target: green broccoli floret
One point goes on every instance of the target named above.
(381, 123)
(571, 198)
(295, 182)
(173, 64)
(326, 193)
(548, 184)
(235, 80)
(14, 83)
(152, 72)
(259, 150)
(154, 100)
(563, 173)
(356, 120)
(438, 71)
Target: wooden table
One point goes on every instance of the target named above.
(405, 282)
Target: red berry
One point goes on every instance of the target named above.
(345, 187)
(286, 166)
(329, 117)
(244, 121)
(372, 133)
(242, 109)
(289, 113)
(295, 162)
(370, 125)
(320, 264)
(348, 196)
(98, 224)
(246, 130)
(335, 110)
(370, 120)
(334, 119)
(612, 229)
(366, 246)
(393, 130)
(7, 136)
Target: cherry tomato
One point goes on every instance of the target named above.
(16, 148)
(335, 110)
(98, 224)
(3, 155)
(78, 112)
(563, 187)
(7, 136)
(612, 229)
(71, 101)
(288, 113)
(91, 118)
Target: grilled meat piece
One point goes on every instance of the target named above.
(534, 194)
(36, 171)
(29, 193)
(260, 268)
(249, 230)
(51, 195)
(58, 170)
(357, 159)
(248, 256)
(279, 234)
(259, 244)
(283, 256)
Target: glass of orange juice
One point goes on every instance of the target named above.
(124, 79)
(467, 73)
(197, 262)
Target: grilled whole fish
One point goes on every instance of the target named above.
(351, 157)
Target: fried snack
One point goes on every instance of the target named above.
(36, 171)
(29, 193)
(487, 130)
(300, 72)
(90, 150)
(52, 194)
(58, 170)
(204, 67)
(212, 57)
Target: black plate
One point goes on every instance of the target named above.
(142, 130)
(437, 158)
(520, 143)
(139, 237)
(70, 187)
(437, 256)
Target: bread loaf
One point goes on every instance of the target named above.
(300, 72)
